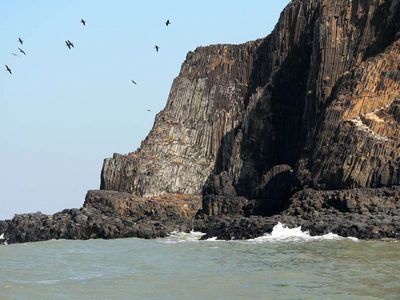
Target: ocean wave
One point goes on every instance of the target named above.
(3, 240)
(280, 233)
(182, 237)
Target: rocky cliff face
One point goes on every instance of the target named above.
(320, 84)
(204, 105)
(319, 95)
(301, 127)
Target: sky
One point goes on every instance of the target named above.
(63, 111)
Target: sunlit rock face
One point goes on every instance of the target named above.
(320, 95)
(205, 104)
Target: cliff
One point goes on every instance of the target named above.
(301, 127)
(204, 105)
(319, 95)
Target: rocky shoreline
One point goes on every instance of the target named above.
(360, 213)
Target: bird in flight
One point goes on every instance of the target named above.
(8, 69)
(22, 51)
(69, 44)
(83, 22)
(134, 82)
(156, 47)
(14, 54)
(167, 23)
(20, 41)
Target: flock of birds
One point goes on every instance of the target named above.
(15, 54)
(70, 45)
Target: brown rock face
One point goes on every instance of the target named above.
(204, 105)
(359, 139)
(126, 205)
(320, 96)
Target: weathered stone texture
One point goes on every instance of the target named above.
(205, 103)
(319, 94)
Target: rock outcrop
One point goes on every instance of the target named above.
(106, 215)
(205, 104)
(320, 95)
(301, 127)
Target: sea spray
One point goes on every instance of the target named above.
(280, 233)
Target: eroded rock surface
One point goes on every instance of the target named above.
(106, 215)
(205, 104)
(320, 94)
(361, 213)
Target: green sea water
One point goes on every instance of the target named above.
(279, 266)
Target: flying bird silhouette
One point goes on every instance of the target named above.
(8, 69)
(134, 82)
(167, 23)
(20, 41)
(22, 51)
(14, 54)
(83, 22)
(156, 47)
(69, 44)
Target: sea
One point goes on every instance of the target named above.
(286, 264)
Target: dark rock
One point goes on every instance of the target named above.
(276, 187)
(219, 197)
(106, 215)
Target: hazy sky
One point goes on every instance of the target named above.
(62, 112)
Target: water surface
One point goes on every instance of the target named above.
(181, 267)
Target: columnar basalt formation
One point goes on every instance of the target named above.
(204, 105)
(319, 94)
(301, 127)
(319, 80)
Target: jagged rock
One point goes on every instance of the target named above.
(106, 215)
(223, 205)
(277, 185)
(127, 205)
(354, 201)
(219, 184)
(219, 197)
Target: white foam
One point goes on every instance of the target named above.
(83, 277)
(183, 237)
(2, 236)
(281, 232)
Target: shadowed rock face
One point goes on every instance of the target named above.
(320, 94)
